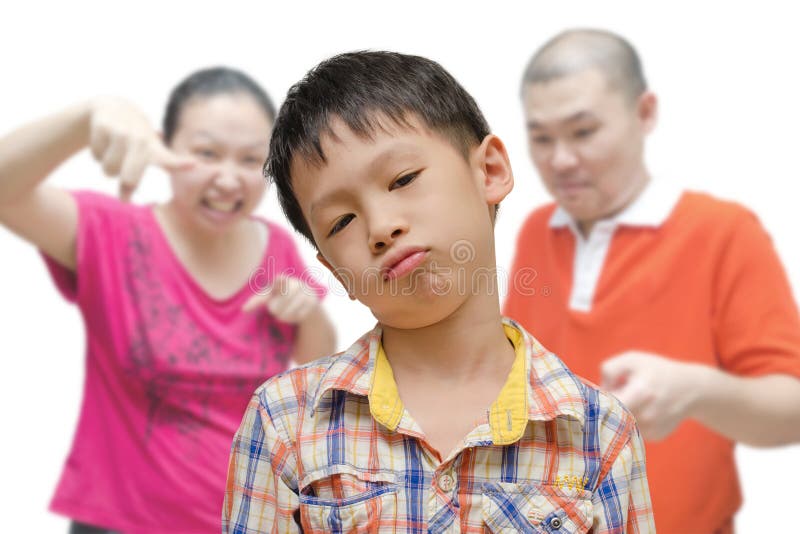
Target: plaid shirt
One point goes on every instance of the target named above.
(329, 447)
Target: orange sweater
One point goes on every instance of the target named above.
(706, 286)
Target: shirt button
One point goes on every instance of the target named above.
(446, 482)
(555, 523)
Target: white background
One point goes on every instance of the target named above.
(726, 75)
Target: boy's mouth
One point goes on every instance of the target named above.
(402, 262)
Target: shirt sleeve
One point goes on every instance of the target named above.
(258, 494)
(756, 322)
(98, 225)
(622, 500)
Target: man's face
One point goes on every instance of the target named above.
(398, 219)
(587, 142)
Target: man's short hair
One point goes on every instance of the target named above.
(575, 50)
(362, 89)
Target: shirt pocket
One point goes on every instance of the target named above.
(512, 508)
(344, 499)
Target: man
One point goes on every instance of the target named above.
(675, 301)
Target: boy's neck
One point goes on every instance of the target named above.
(448, 374)
(464, 346)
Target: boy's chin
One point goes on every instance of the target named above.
(418, 315)
(410, 321)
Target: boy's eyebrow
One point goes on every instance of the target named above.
(394, 151)
(580, 115)
(329, 198)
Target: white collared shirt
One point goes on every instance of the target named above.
(650, 209)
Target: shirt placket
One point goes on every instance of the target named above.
(590, 256)
(443, 506)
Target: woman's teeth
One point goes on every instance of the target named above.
(227, 207)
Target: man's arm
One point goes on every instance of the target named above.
(761, 411)
(754, 394)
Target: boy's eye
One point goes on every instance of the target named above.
(340, 224)
(404, 180)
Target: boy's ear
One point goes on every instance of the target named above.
(338, 274)
(495, 168)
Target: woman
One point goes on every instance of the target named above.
(188, 305)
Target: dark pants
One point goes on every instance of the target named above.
(81, 528)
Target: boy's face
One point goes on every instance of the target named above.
(403, 219)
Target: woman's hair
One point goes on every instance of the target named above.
(211, 82)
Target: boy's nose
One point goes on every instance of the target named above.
(379, 241)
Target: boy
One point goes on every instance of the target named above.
(445, 417)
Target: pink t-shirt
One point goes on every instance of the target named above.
(169, 372)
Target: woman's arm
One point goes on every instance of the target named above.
(120, 138)
(44, 216)
(292, 301)
(316, 337)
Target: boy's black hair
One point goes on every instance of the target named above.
(210, 82)
(361, 88)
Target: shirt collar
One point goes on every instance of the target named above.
(351, 370)
(650, 209)
(539, 386)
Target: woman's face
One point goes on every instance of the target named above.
(228, 135)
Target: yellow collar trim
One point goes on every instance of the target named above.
(508, 415)
(384, 399)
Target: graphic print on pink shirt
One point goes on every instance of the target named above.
(167, 346)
